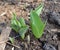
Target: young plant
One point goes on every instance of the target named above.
(11, 39)
(19, 26)
(37, 25)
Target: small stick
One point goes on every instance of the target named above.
(13, 45)
(55, 30)
(3, 14)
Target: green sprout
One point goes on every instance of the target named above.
(36, 24)
(19, 26)
(11, 40)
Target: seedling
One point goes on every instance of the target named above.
(11, 39)
(37, 25)
(19, 25)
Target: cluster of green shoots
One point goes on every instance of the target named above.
(36, 24)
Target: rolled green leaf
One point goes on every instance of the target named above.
(37, 25)
(21, 20)
(22, 31)
(38, 10)
(11, 39)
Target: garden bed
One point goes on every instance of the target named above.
(51, 13)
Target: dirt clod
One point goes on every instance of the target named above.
(48, 47)
(54, 18)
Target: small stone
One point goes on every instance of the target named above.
(48, 47)
(12, 48)
(28, 39)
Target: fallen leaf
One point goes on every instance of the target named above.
(4, 37)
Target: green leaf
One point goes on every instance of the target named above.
(37, 25)
(19, 26)
(11, 39)
(15, 24)
(16, 28)
(14, 21)
(38, 10)
(21, 20)
(14, 16)
(22, 31)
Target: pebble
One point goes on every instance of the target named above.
(55, 37)
(48, 47)
(54, 17)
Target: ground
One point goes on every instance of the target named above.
(22, 8)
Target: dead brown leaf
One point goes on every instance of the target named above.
(4, 37)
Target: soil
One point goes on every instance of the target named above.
(22, 8)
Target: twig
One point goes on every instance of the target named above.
(55, 30)
(13, 45)
(3, 14)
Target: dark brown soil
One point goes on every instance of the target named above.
(22, 9)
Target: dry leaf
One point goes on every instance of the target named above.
(4, 37)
